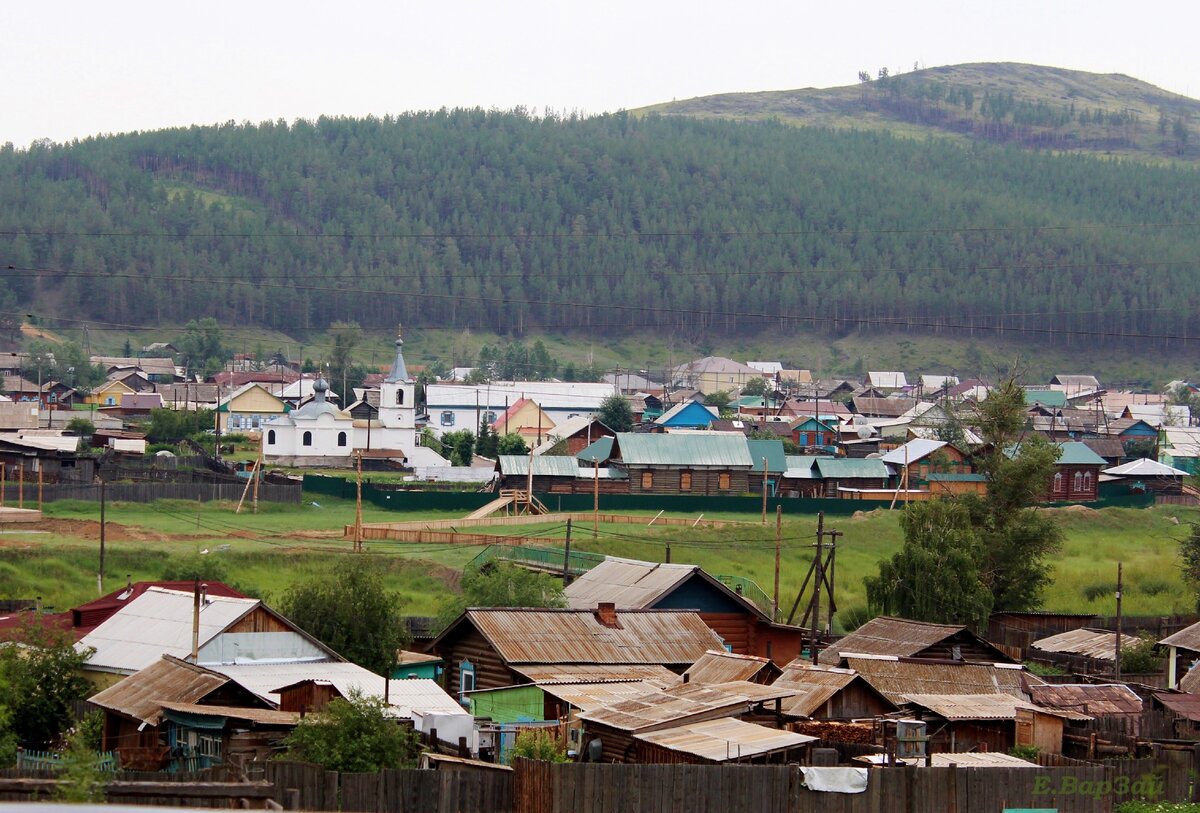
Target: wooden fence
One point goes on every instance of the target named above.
(27, 497)
(382, 529)
(309, 787)
(544, 788)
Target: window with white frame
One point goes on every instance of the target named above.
(447, 418)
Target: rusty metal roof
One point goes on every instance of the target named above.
(1098, 644)
(725, 739)
(973, 706)
(588, 696)
(889, 636)
(587, 673)
(719, 666)
(143, 694)
(814, 686)
(687, 702)
(1095, 699)
(1185, 705)
(577, 636)
(894, 678)
(628, 583)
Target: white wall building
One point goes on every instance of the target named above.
(464, 406)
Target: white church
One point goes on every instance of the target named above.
(319, 434)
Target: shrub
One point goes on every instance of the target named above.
(1142, 657)
(1029, 753)
(353, 735)
(539, 744)
(1094, 591)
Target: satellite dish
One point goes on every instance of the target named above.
(874, 456)
(860, 420)
(865, 431)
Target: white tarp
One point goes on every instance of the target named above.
(835, 780)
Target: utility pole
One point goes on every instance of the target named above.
(778, 547)
(816, 599)
(100, 575)
(1117, 662)
(566, 576)
(764, 484)
(595, 497)
(358, 507)
(668, 552)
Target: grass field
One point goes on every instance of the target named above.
(282, 545)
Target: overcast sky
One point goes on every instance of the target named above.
(72, 69)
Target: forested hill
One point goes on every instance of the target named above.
(668, 224)
(1032, 106)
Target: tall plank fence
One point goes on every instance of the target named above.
(147, 492)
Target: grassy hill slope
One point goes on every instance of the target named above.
(948, 101)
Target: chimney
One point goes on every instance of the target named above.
(204, 595)
(687, 678)
(606, 614)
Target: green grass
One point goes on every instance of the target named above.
(275, 549)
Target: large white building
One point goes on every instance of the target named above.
(465, 406)
(321, 434)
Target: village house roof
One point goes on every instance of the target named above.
(701, 415)
(141, 695)
(882, 407)
(767, 367)
(725, 739)
(932, 382)
(580, 395)
(694, 450)
(150, 366)
(404, 696)
(1187, 638)
(266, 679)
(1106, 447)
(1182, 703)
(598, 450)
(958, 707)
(1098, 644)
(187, 393)
(896, 677)
(632, 584)
(588, 696)
(681, 704)
(719, 666)
(545, 636)
(850, 468)
(913, 451)
(900, 637)
(770, 451)
(887, 380)
(267, 717)
(714, 364)
(1094, 699)
(589, 673)
(541, 466)
(1076, 382)
(1050, 398)
(815, 686)
(1144, 467)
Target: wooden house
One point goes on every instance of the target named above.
(705, 463)
(573, 435)
(900, 637)
(813, 434)
(723, 741)
(838, 474)
(248, 408)
(525, 418)
(1146, 476)
(109, 394)
(687, 415)
(744, 627)
(770, 464)
(490, 648)
(1076, 476)
(924, 457)
(550, 473)
(829, 693)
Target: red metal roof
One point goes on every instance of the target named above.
(90, 615)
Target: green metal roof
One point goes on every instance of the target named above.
(1051, 398)
(851, 467)
(1078, 454)
(600, 449)
(772, 450)
(543, 465)
(683, 449)
(952, 477)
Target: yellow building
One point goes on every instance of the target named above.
(527, 419)
(248, 408)
(715, 374)
(109, 393)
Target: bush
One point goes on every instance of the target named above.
(539, 744)
(1044, 669)
(1029, 753)
(1095, 591)
(81, 426)
(353, 735)
(1142, 657)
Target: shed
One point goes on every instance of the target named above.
(1098, 700)
(724, 740)
(719, 666)
(1095, 644)
(549, 472)
(989, 722)
(828, 693)
(896, 677)
(838, 473)
(1183, 653)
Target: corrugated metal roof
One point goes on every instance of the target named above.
(1078, 454)
(666, 707)
(802, 467)
(887, 379)
(1098, 644)
(142, 694)
(577, 636)
(584, 673)
(725, 739)
(889, 636)
(543, 465)
(1145, 467)
(588, 696)
(598, 450)
(986, 759)
(913, 451)
(814, 686)
(1097, 700)
(772, 450)
(1185, 705)
(896, 678)
(157, 623)
(973, 706)
(260, 716)
(693, 449)
(1186, 638)
(264, 679)
(420, 695)
(629, 583)
(846, 468)
(719, 666)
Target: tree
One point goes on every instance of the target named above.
(1189, 560)
(935, 575)
(352, 612)
(174, 425)
(512, 443)
(40, 682)
(346, 338)
(355, 735)
(539, 744)
(459, 445)
(488, 443)
(81, 427)
(719, 399)
(502, 585)
(616, 413)
(201, 347)
(39, 362)
(756, 386)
